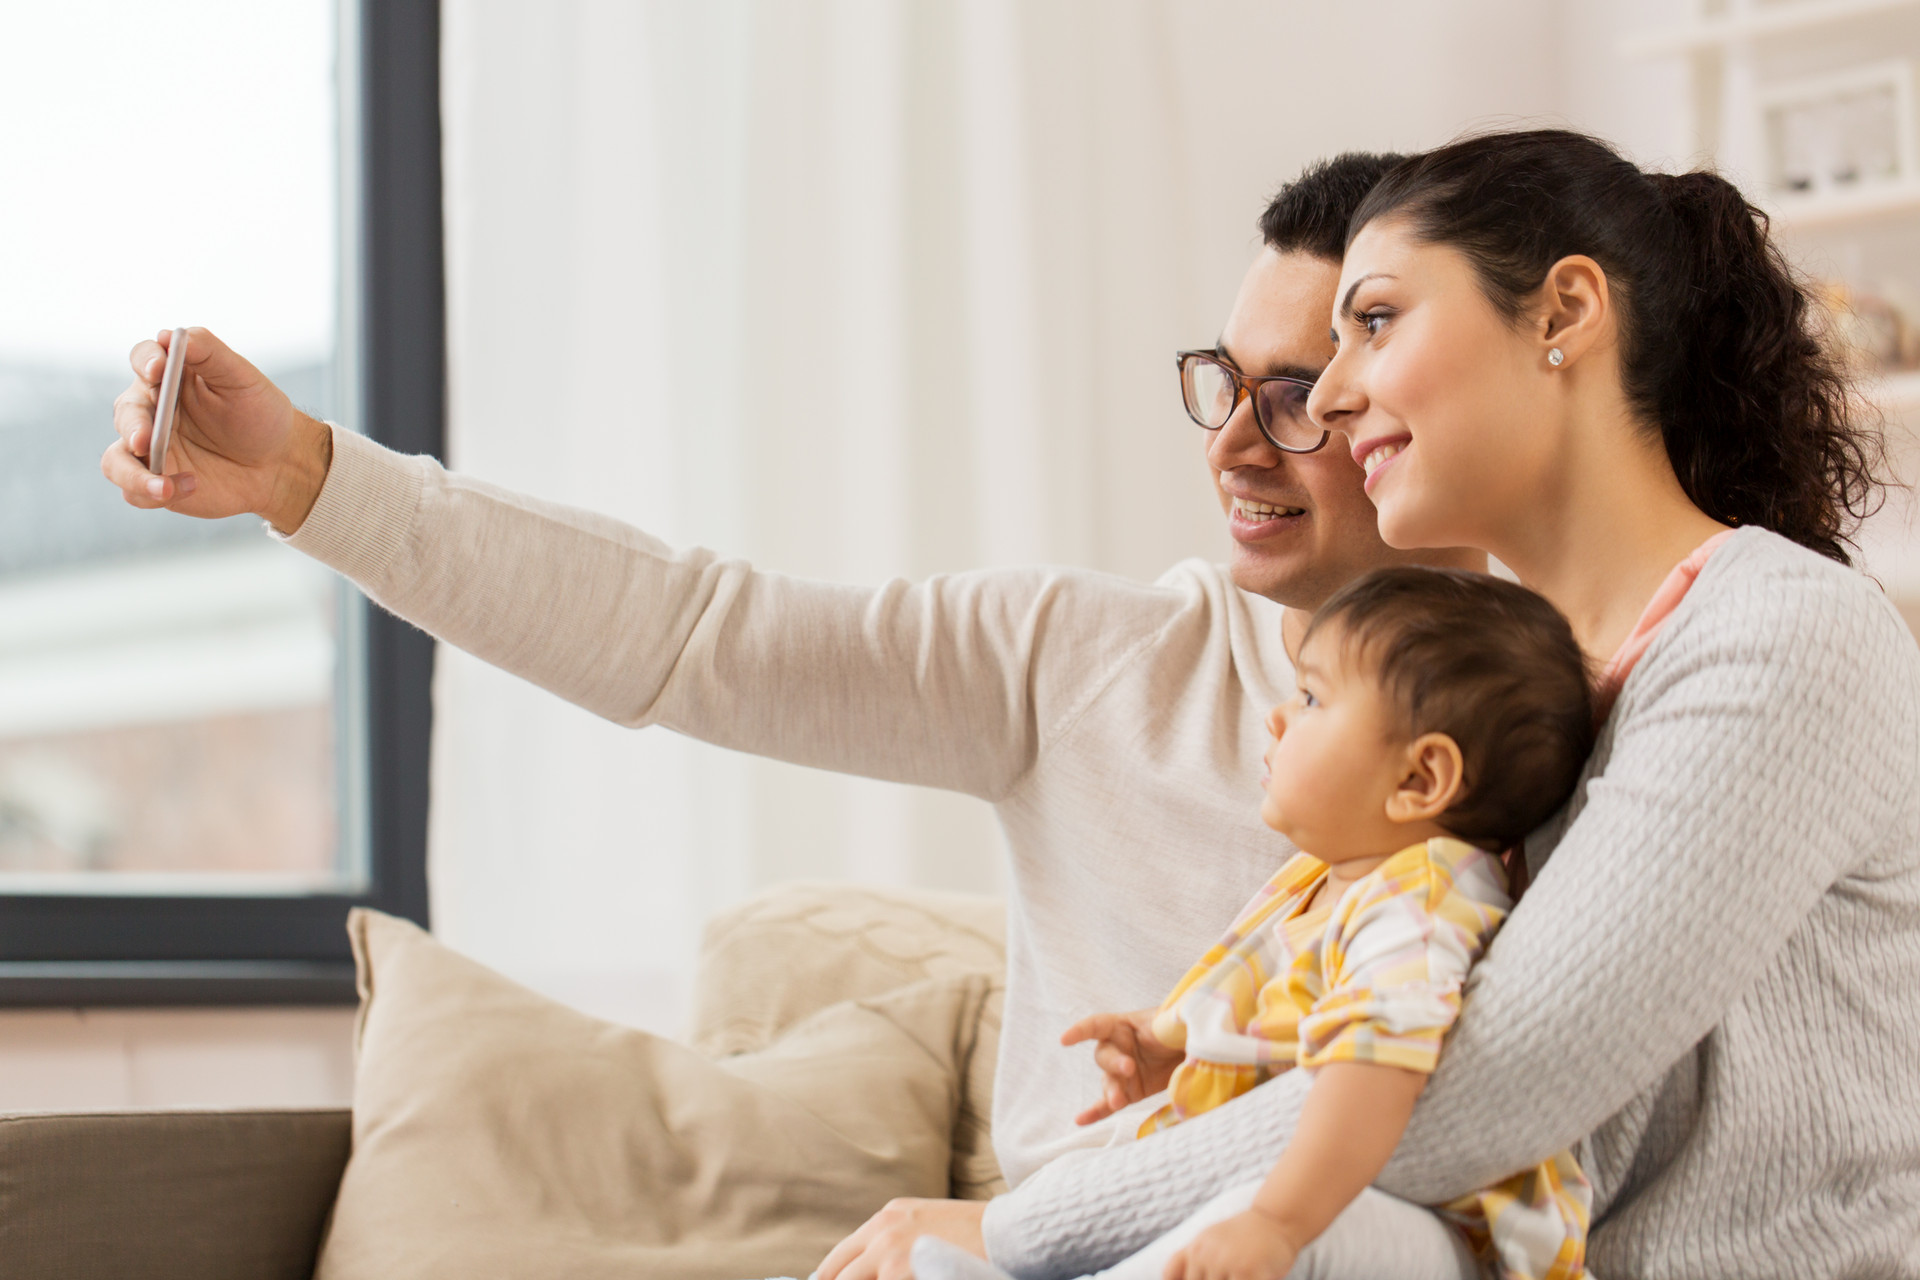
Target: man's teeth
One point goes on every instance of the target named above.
(1380, 455)
(1248, 510)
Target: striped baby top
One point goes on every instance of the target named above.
(1376, 979)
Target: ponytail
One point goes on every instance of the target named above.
(1718, 345)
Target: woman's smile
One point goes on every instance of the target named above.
(1374, 453)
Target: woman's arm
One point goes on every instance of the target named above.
(1350, 1123)
(1766, 746)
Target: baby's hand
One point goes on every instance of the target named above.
(1136, 1062)
(1247, 1246)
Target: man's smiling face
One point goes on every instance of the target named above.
(1301, 523)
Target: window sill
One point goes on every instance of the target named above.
(174, 983)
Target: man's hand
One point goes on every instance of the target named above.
(1247, 1246)
(239, 445)
(1135, 1062)
(879, 1249)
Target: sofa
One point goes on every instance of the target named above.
(226, 1195)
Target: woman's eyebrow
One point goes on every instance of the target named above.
(1346, 303)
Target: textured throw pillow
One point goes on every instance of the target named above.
(496, 1133)
(791, 951)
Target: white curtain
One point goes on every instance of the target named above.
(858, 289)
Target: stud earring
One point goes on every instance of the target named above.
(1555, 356)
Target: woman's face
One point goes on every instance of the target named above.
(1441, 399)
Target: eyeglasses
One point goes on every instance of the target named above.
(1212, 389)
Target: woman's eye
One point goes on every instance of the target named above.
(1373, 322)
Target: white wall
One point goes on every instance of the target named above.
(852, 289)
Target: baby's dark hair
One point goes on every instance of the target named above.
(1491, 665)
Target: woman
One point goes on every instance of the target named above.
(1592, 373)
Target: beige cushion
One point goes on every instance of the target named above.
(798, 948)
(498, 1133)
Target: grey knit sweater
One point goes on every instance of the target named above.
(1712, 987)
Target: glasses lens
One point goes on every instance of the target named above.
(1209, 391)
(1283, 411)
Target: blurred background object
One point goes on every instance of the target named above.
(849, 288)
(1810, 105)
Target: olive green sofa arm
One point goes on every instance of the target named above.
(174, 1195)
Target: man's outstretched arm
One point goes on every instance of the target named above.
(953, 683)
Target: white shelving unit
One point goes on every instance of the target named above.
(1799, 213)
(1739, 54)
(1750, 22)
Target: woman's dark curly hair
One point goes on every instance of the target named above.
(1718, 342)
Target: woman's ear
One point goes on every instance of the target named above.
(1576, 309)
(1435, 775)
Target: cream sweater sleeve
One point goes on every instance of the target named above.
(956, 683)
(1764, 758)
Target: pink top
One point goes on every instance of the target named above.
(1652, 618)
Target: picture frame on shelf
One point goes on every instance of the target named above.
(1843, 134)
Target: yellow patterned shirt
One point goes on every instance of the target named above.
(1375, 977)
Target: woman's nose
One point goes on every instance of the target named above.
(1336, 397)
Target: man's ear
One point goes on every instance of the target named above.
(1435, 775)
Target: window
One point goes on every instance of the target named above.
(210, 748)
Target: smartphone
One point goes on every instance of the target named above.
(169, 398)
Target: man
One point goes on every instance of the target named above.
(1117, 728)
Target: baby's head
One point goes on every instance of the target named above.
(1431, 701)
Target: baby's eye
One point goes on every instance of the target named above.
(1308, 700)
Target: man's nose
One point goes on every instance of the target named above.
(1240, 443)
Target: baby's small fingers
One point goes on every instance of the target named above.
(1094, 1114)
(1113, 1060)
(1095, 1026)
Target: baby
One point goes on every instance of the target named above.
(1440, 717)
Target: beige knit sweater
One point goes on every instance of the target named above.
(1715, 982)
(1116, 727)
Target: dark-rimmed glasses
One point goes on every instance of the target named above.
(1213, 389)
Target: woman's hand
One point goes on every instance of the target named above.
(239, 446)
(1135, 1062)
(880, 1249)
(1247, 1246)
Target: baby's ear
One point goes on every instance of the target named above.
(1433, 779)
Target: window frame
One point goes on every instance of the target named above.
(177, 950)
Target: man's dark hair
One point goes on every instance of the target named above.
(1488, 663)
(1311, 212)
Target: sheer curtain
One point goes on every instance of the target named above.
(857, 289)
